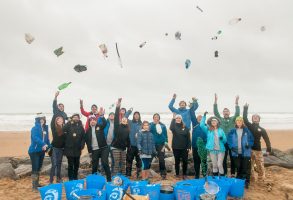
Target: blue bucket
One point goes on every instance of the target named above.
(71, 187)
(95, 181)
(53, 191)
(96, 194)
(138, 187)
(237, 188)
(167, 193)
(153, 190)
(185, 191)
(114, 192)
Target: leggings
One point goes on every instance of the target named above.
(217, 161)
(180, 154)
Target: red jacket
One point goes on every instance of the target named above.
(87, 114)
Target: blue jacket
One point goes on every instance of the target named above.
(135, 127)
(210, 136)
(159, 138)
(38, 139)
(246, 139)
(185, 113)
(146, 143)
(197, 131)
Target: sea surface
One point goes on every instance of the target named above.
(24, 122)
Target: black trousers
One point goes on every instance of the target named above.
(196, 161)
(102, 154)
(73, 165)
(161, 156)
(243, 165)
(180, 154)
(132, 153)
(225, 165)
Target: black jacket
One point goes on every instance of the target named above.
(74, 138)
(181, 136)
(257, 132)
(58, 141)
(121, 133)
(100, 135)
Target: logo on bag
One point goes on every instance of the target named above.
(117, 194)
(136, 190)
(51, 194)
(76, 188)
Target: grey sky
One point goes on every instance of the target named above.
(256, 65)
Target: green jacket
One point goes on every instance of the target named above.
(227, 123)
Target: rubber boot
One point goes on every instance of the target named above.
(34, 177)
(38, 180)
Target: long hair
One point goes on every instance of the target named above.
(139, 118)
(59, 129)
(209, 122)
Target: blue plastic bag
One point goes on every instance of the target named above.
(138, 187)
(126, 181)
(95, 181)
(96, 194)
(51, 192)
(71, 187)
(114, 192)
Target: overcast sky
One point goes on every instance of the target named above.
(256, 65)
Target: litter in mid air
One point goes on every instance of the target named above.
(104, 49)
(111, 106)
(216, 37)
(178, 35)
(199, 8)
(262, 29)
(118, 54)
(63, 86)
(80, 68)
(29, 38)
(216, 54)
(142, 45)
(234, 21)
(58, 52)
(166, 34)
(187, 63)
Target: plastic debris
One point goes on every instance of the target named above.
(104, 49)
(63, 86)
(216, 54)
(234, 21)
(199, 8)
(262, 29)
(214, 38)
(219, 32)
(166, 34)
(178, 35)
(118, 54)
(142, 44)
(111, 106)
(211, 187)
(58, 52)
(187, 63)
(80, 68)
(29, 38)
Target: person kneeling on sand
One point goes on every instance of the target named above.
(39, 145)
(216, 140)
(240, 141)
(256, 154)
(146, 148)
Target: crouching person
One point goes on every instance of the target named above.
(146, 148)
(240, 141)
(39, 145)
(97, 144)
(74, 143)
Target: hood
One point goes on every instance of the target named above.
(38, 121)
(209, 122)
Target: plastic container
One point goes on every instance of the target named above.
(53, 191)
(95, 181)
(167, 192)
(72, 187)
(93, 193)
(237, 188)
(185, 191)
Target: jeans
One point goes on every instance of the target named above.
(146, 163)
(196, 161)
(243, 165)
(161, 156)
(120, 161)
(56, 160)
(103, 154)
(180, 154)
(73, 165)
(132, 153)
(225, 165)
(217, 160)
(112, 158)
(37, 161)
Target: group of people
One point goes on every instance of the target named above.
(124, 140)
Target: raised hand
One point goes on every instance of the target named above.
(174, 96)
(237, 100)
(205, 113)
(246, 105)
(119, 102)
(174, 115)
(57, 94)
(216, 98)
(81, 102)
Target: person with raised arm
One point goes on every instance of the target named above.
(183, 111)
(240, 141)
(181, 144)
(257, 154)
(121, 141)
(216, 140)
(227, 123)
(94, 111)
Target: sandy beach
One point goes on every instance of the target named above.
(17, 143)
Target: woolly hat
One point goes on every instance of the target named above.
(239, 119)
(209, 122)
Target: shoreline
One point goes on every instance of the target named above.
(16, 143)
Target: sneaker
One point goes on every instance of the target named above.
(164, 177)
